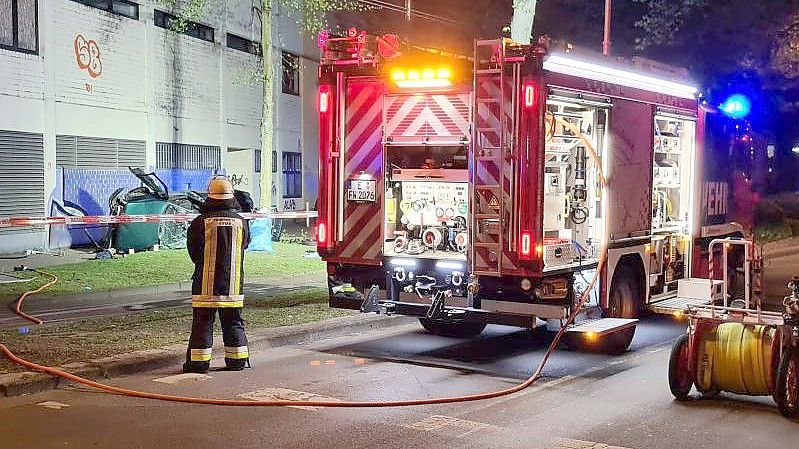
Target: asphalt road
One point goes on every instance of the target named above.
(584, 400)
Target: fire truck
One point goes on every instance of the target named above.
(483, 190)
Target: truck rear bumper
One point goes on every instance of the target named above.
(463, 314)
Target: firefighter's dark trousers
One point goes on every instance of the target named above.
(198, 355)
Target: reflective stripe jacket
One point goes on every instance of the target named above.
(216, 241)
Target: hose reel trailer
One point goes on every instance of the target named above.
(738, 347)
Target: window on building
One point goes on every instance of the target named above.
(292, 175)
(19, 25)
(167, 21)
(257, 161)
(274, 162)
(190, 157)
(245, 45)
(121, 7)
(291, 74)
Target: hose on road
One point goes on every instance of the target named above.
(289, 403)
(583, 300)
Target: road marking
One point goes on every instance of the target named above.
(177, 378)
(360, 361)
(330, 362)
(316, 362)
(53, 405)
(568, 443)
(284, 394)
(450, 425)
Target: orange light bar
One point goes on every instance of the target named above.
(424, 83)
(425, 78)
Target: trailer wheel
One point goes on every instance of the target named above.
(452, 328)
(624, 300)
(615, 343)
(680, 379)
(786, 393)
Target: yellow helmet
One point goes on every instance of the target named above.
(220, 189)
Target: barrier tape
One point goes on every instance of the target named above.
(10, 222)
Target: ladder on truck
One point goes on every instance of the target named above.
(491, 157)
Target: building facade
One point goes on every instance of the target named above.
(91, 87)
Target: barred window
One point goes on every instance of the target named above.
(19, 25)
(192, 157)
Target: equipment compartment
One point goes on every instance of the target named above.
(427, 202)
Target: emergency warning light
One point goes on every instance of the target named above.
(427, 77)
(736, 106)
(529, 95)
(324, 99)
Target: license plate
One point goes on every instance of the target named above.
(362, 190)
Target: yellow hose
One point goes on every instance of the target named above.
(737, 358)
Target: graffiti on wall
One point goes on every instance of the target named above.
(87, 55)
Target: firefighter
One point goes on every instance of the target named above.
(216, 241)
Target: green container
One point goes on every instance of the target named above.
(140, 236)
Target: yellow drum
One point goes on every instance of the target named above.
(737, 358)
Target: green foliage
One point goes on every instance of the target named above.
(186, 11)
(785, 55)
(311, 15)
(663, 20)
(772, 232)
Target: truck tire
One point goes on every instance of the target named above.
(615, 343)
(680, 379)
(624, 300)
(459, 329)
(786, 393)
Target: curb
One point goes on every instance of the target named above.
(17, 384)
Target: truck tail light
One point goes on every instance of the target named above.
(321, 235)
(324, 99)
(529, 96)
(526, 245)
(528, 250)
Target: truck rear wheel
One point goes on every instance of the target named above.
(452, 328)
(624, 300)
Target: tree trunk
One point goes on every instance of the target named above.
(268, 119)
(521, 26)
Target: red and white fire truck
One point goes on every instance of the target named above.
(475, 190)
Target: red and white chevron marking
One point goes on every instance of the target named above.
(10, 222)
(439, 115)
(363, 222)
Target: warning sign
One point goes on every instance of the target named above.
(493, 203)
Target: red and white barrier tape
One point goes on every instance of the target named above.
(10, 222)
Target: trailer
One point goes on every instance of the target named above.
(485, 189)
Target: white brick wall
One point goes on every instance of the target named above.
(122, 55)
(156, 85)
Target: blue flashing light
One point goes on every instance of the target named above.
(736, 106)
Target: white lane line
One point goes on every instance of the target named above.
(53, 405)
(284, 394)
(177, 378)
(568, 443)
(450, 425)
